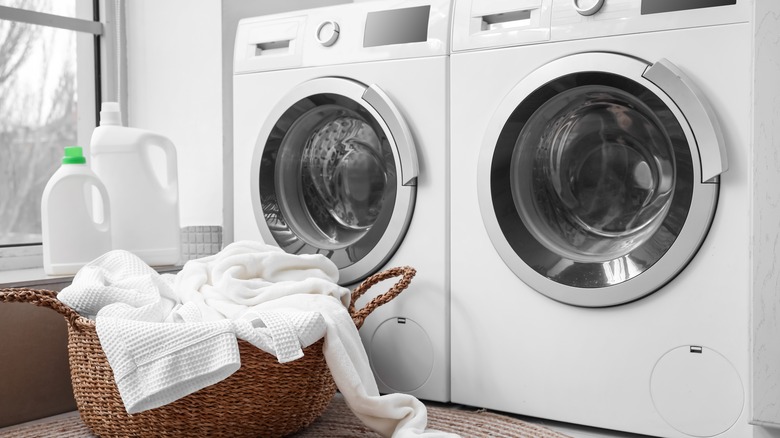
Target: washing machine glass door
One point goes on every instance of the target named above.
(334, 173)
(593, 187)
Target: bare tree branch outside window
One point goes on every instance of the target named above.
(38, 116)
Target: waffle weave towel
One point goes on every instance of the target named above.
(156, 361)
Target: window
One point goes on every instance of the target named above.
(49, 88)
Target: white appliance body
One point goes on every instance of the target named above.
(300, 79)
(663, 349)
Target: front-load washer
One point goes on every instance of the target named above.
(340, 125)
(612, 206)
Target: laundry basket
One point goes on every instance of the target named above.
(262, 399)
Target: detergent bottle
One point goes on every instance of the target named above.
(73, 233)
(143, 188)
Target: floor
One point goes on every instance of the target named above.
(571, 430)
(576, 431)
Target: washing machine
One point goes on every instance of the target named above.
(340, 125)
(605, 206)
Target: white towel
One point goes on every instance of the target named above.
(247, 273)
(118, 277)
(156, 362)
(397, 415)
(277, 301)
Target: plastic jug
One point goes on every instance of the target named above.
(144, 206)
(72, 234)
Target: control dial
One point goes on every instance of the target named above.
(328, 33)
(587, 7)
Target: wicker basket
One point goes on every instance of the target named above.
(262, 399)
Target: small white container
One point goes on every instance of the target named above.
(72, 234)
(144, 206)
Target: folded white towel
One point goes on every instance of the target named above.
(157, 363)
(279, 302)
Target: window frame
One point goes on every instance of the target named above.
(92, 69)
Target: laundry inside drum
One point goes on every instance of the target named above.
(345, 175)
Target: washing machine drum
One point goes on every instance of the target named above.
(328, 178)
(594, 184)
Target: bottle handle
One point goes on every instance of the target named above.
(164, 143)
(104, 225)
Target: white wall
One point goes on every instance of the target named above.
(174, 87)
(179, 83)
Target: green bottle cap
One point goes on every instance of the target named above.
(73, 155)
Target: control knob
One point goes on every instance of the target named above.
(328, 33)
(587, 7)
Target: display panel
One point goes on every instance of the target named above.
(658, 6)
(397, 26)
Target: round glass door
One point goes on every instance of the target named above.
(594, 171)
(328, 182)
(592, 190)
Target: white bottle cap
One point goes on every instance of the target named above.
(110, 114)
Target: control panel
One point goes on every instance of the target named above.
(484, 24)
(363, 31)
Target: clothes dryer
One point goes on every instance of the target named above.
(340, 149)
(604, 202)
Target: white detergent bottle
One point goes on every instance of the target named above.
(144, 203)
(72, 234)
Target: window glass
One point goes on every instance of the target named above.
(38, 117)
(66, 8)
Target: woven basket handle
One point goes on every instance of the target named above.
(359, 316)
(41, 298)
(48, 298)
